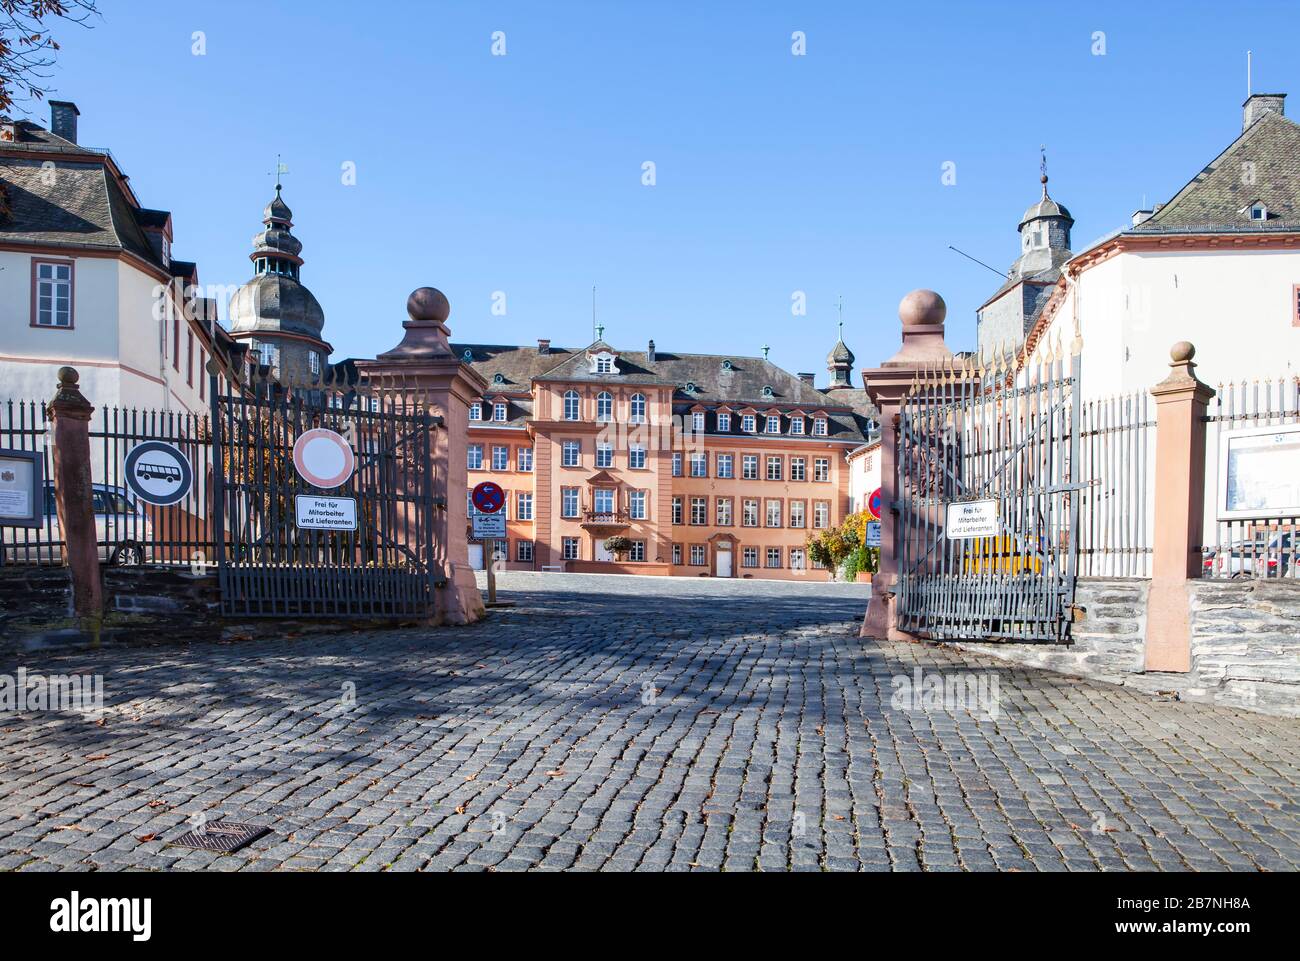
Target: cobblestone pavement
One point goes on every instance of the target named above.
(634, 723)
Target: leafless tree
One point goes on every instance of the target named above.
(28, 49)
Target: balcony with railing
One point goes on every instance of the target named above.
(605, 519)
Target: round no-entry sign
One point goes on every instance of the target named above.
(323, 457)
(488, 497)
(874, 504)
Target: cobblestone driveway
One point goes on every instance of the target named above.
(604, 724)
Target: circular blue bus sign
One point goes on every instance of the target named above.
(158, 473)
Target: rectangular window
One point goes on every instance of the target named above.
(603, 500)
(677, 554)
(176, 347)
(697, 422)
(796, 425)
(525, 459)
(699, 557)
(570, 546)
(677, 510)
(748, 423)
(749, 513)
(568, 502)
(819, 427)
(636, 457)
(724, 511)
(726, 465)
(524, 550)
(604, 454)
(313, 361)
(636, 501)
(203, 372)
(499, 410)
(724, 423)
(571, 454)
(798, 470)
(774, 557)
(500, 457)
(525, 510)
(773, 513)
(749, 557)
(749, 467)
(677, 463)
(637, 553)
(474, 457)
(822, 469)
(699, 511)
(796, 559)
(475, 411)
(774, 424)
(699, 465)
(797, 513)
(821, 515)
(774, 469)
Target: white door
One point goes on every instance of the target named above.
(476, 556)
(601, 553)
(723, 554)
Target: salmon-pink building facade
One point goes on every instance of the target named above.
(706, 465)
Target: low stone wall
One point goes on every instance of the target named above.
(1245, 642)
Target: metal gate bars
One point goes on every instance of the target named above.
(988, 479)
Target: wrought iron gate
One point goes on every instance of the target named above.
(269, 561)
(988, 479)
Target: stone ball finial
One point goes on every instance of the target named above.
(922, 308)
(68, 377)
(1182, 352)
(428, 303)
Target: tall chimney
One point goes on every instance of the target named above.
(650, 352)
(543, 346)
(1258, 104)
(63, 119)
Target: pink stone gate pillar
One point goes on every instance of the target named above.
(922, 313)
(1181, 401)
(70, 415)
(424, 364)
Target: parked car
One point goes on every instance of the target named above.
(1274, 556)
(122, 528)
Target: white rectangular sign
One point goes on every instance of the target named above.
(326, 513)
(972, 519)
(873, 534)
(1259, 472)
(489, 527)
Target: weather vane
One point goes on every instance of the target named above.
(280, 170)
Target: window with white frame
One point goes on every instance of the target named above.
(773, 557)
(773, 513)
(677, 509)
(797, 513)
(749, 513)
(603, 500)
(748, 423)
(821, 515)
(773, 424)
(798, 469)
(525, 459)
(636, 409)
(604, 407)
(774, 468)
(568, 502)
(637, 551)
(604, 364)
(570, 547)
(524, 550)
(699, 556)
(697, 421)
(524, 511)
(749, 467)
(604, 454)
(571, 405)
(822, 469)
(499, 411)
(749, 557)
(724, 423)
(500, 457)
(570, 453)
(474, 457)
(313, 361)
(699, 465)
(726, 465)
(677, 463)
(636, 501)
(723, 512)
(819, 427)
(677, 554)
(476, 411)
(797, 559)
(699, 511)
(796, 425)
(636, 457)
(53, 294)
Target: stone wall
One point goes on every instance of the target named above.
(1245, 642)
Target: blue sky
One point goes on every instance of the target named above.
(775, 173)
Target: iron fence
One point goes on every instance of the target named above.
(1117, 458)
(128, 530)
(1252, 501)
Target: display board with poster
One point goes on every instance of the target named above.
(22, 489)
(1259, 472)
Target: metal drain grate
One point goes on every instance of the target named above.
(222, 836)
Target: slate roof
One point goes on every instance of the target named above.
(739, 386)
(1214, 199)
(82, 206)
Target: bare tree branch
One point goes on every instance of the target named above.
(28, 50)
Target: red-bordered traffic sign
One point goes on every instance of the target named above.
(488, 497)
(323, 458)
(874, 503)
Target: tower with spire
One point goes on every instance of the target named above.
(840, 363)
(277, 316)
(1004, 319)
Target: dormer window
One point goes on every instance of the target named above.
(603, 363)
(819, 427)
(1258, 211)
(724, 423)
(774, 424)
(467, 356)
(796, 425)
(697, 422)
(499, 411)
(476, 411)
(748, 423)
(767, 391)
